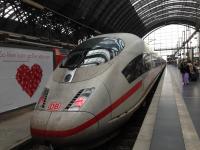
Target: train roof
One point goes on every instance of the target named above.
(126, 37)
(130, 40)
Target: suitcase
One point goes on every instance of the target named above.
(194, 76)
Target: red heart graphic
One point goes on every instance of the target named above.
(29, 79)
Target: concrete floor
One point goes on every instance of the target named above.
(14, 128)
(172, 121)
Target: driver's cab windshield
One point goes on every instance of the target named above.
(93, 52)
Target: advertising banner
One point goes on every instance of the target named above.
(23, 75)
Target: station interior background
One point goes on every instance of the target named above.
(36, 35)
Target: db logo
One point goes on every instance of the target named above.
(54, 106)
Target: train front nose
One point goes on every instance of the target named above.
(71, 120)
(62, 127)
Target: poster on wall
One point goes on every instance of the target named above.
(23, 75)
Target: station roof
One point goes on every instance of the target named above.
(101, 16)
(135, 16)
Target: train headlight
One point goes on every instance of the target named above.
(80, 99)
(42, 99)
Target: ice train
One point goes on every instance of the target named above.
(95, 89)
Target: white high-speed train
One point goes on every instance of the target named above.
(95, 89)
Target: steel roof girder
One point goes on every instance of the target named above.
(163, 5)
(185, 18)
(168, 14)
(196, 11)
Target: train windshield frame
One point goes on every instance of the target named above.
(93, 52)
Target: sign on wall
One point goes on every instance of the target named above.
(23, 75)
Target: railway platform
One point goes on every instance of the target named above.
(14, 128)
(172, 121)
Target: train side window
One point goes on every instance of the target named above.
(134, 69)
(155, 61)
(146, 62)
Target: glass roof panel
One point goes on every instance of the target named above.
(167, 18)
(152, 12)
(168, 11)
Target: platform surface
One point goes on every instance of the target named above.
(172, 121)
(14, 128)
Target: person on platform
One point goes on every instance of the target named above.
(181, 68)
(191, 71)
(194, 74)
(184, 69)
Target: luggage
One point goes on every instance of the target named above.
(194, 76)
